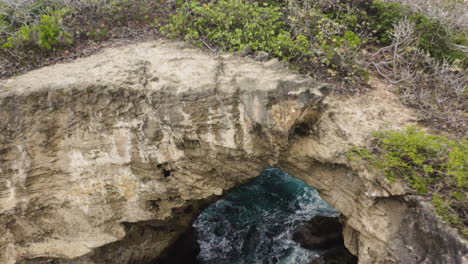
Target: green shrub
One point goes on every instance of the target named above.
(233, 25)
(48, 34)
(330, 39)
(383, 17)
(433, 36)
(331, 35)
(4, 26)
(433, 165)
(334, 37)
(460, 38)
(457, 163)
(444, 209)
(420, 158)
(436, 39)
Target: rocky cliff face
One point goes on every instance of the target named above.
(110, 158)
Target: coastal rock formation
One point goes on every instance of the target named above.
(320, 232)
(108, 159)
(326, 233)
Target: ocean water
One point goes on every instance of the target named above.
(254, 222)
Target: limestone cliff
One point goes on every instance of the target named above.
(109, 159)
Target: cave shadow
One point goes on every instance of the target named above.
(311, 226)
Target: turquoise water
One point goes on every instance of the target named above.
(254, 223)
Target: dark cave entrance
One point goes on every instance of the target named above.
(273, 219)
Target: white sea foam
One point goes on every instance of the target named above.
(255, 222)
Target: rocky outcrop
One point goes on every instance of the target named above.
(320, 232)
(379, 216)
(337, 255)
(184, 251)
(110, 158)
(326, 234)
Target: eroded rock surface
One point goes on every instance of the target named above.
(110, 158)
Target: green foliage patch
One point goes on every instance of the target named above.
(236, 24)
(309, 33)
(383, 17)
(334, 38)
(301, 36)
(433, 165)
(433, 36)
(437, 39)
(31, 31)
(48, 34)
(318, 37)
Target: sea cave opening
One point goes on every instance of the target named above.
(273, 219)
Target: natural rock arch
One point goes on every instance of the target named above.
(109, 158)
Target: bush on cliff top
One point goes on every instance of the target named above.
(34, 31)
(433, 165)
(47, 34)
(236, 24)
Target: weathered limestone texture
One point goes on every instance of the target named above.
(110, 158)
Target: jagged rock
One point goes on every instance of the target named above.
(184, 251)
(326, 233)
(108, 159)
(337, 255)
(320, 232)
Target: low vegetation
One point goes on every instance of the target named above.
(234, 25)
(434, 166)
(37, 32)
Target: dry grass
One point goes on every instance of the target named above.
(453, 13)
(436, 88)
